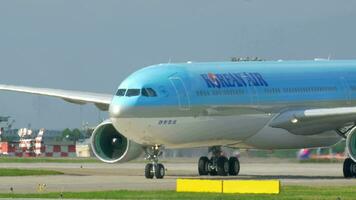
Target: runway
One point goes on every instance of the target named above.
(129, 176)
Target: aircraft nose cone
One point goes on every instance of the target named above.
(115, 111)
(119, 111)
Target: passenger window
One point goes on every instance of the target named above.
(121, 92)
(148, 92)
(133, 92)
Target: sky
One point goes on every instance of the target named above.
(92, 45)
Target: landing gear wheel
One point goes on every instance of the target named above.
(349, 168)
(222, 166)
(203, 166)
(218, 164)
(154, 168)
(149, 171)
(234, 166)
(213, 172)
(160, 171)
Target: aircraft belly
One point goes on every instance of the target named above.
(277, 138)
(179, 132)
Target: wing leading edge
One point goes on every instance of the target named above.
(314, 121)
(102, 101)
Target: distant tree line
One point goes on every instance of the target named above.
(72, 135)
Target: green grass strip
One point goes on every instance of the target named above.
(27, 172)
(288, 192)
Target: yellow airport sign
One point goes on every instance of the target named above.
(251, 186)
(229, 186)
(193, 185)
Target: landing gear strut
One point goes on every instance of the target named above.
(218, 164)
(154, 168)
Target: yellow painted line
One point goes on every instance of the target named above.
(190, 185)
(251, 186)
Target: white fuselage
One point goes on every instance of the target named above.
(248, 131)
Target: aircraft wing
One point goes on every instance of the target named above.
(315, 121)
(102, 101)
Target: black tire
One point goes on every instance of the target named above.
(203, 166)
(149, 171)
(349, 168)
(160, 171)
(213, 172)
(234, 166)
(222, 166)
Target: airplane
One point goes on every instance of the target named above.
(247, 104)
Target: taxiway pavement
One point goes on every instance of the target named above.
(130, 176)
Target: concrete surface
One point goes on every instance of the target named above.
(130, 176)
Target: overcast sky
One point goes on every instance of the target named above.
(93, 45)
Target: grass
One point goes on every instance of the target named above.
(27, 172)
(288, 192)
(47, 160)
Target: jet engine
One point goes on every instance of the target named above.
(110, 146)
(351, 144)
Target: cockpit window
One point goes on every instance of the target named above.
(148, 92)
(133, 92)
(121, 92)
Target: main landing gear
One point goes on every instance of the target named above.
(154, 168)
(349, 168)
(218, 164)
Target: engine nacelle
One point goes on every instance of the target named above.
(110, 146)
(351, 144)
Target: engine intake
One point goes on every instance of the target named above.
(110, 146)
(351, 144)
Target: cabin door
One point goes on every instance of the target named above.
(346, 90)
(182, 93)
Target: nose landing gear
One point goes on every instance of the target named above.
(218, 164)
(154, 169)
